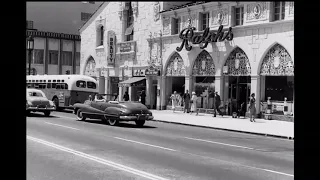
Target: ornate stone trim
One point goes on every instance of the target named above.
(238, 63)
(156, 11)
(100, 22)
(134, 5)
(166, 23)
(220, 17)
(291, 8)
(256, 11)
(203, 65)
(90, 68)
(277, 62)
(185, 21)
(175, 66)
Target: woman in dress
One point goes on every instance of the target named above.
(194, 103)
(174, 100)
(252, 108)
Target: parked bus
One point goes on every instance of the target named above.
(64, 90)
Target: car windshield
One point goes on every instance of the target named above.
(37, 94)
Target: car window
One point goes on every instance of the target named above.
(35, 94)
(81, 84)
(91, 85)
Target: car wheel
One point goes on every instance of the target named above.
(80, 116)
(105, 120)
(47, 113)
(140, 123)
(113, 122)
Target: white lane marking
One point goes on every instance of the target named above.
(62, 126)
(213, 142)
(160, 147)
(99, 160)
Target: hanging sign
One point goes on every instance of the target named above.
(152, 71)
(125, 47)
(111, 47)
(187, 35)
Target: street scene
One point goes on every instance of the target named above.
(189, 90)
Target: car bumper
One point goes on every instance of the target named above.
(40, 109)
(135, 118)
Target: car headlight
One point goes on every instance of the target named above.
(29, 103)
(52, 103)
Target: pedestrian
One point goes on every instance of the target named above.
(252, 107)
(143, 97)
(186, 102)
(90, 97)
(217, 103)
(126, 96)
(242, 110)
(193, 102)
(174, 100)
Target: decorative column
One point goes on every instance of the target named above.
(262, 87)
(219, 86)
(188, 84)
(255, 88)
(130, 93)
(107, 85)
(120, 93)
(163, 101)
(148, 91)
(159, 83)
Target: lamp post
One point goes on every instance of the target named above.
(30, 47)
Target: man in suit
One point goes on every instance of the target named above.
(217, 103)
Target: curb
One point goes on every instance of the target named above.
(223, 129)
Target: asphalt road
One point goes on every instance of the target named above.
(60, 147)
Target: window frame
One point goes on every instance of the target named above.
(282, 11)
(51, 59)
(241, 14)
(207, 20)
(129, 22)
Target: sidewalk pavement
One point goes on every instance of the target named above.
(275, 128)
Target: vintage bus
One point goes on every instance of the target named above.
(64, 90)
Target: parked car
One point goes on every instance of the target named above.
(38, 102)
(112, 112)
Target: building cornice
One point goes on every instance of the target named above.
(53, 35)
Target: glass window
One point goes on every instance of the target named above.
(176, 25)
(38, 55)
(279, 87)
(37, 94)
(81, 84)
(48, 85)
(205, 21)
(58, 86)
(67, 58)
(53, 85)
(91, 85)
(101, 35)
(49, 80)
(53, 57)
(279, 10)
(65, 86)
(129, 21)
(77, 58)
(238, 16)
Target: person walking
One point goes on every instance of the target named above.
(217, 103)
(252, 107)
(194, 103)
(186, 102)
(126, 96)
(174, 100)
(143, 97)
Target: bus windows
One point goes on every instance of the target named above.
(81, 84)
(48, 85)
(65, 86)
(36, 85)
(53, 85)
(58, 86)
(42, 86)
(61, 86)
(91, 85)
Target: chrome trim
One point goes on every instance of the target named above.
(135, 117)
(36, 108)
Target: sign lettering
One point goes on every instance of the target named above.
(188, 36)
(111, 51)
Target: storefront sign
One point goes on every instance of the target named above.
(111, 47)
(125, 47)
(152, 71)
(114, 80)
(277, 107)
(138, 72)
(187, 35)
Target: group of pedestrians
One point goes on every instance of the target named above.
(142, 97)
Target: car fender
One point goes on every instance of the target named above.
(113, 111)
(86, 109)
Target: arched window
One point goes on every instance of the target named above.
(101, 36)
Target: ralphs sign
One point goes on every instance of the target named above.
(187, 35)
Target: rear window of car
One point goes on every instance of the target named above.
(91, 85)
(81, 84)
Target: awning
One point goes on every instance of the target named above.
(129, 30)
(131, 81)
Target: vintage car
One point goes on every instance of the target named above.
(38, 102)
(112, 112)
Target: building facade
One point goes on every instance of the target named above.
(233, 48)
(54, 53)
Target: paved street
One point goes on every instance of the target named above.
(60, 147)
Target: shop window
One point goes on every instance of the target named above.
(53, 57)
(203, 21)
(38, 56)
(238, 16)
(77, 58)
(279, 10)
(175, 26)
(279, 87)
(66, 58)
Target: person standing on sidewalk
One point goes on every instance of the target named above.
(194, 103)
(174, 100)
(126, 96)
(217, 103)
(252, 107)
(143, 97)
(186, 102)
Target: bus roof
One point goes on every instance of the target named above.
(72, 77)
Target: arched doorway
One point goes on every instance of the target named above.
(90, 68)
(277, 75)
(203, 71)
(237, 70)
(175, 75)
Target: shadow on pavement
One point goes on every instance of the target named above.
(39, 115)
(121, 124)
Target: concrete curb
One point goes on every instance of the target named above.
(223, 129)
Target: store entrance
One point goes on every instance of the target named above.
(239, 92)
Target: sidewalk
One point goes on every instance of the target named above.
(262, 127)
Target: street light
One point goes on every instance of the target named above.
(30, 47)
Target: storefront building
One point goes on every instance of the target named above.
(117, 48)
(250, 49)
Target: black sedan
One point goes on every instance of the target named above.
(112, 112)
